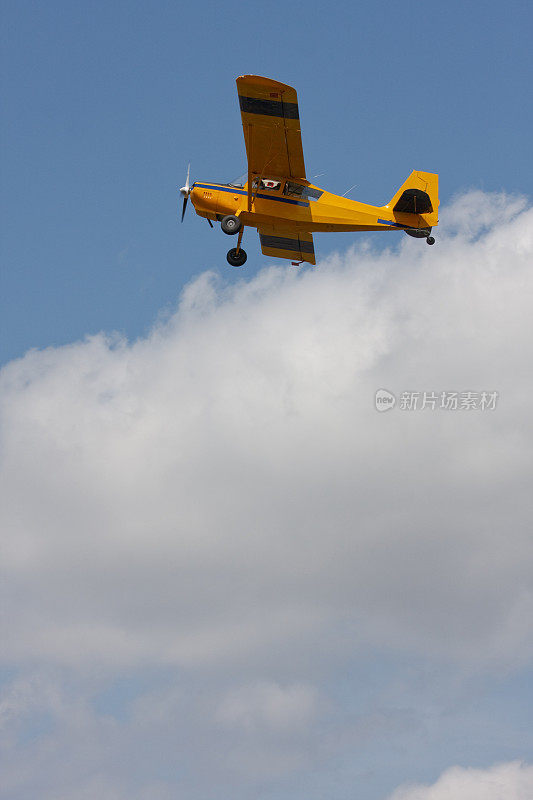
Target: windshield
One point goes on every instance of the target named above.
(239, 182)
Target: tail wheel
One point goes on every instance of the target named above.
(236, 259)
(230, 224)
(430, 240)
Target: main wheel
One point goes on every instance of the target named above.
(230, 224)
(236, 259)
(430, 240)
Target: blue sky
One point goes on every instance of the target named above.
(105, 103)
(225, 574)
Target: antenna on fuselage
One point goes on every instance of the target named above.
(349, 190)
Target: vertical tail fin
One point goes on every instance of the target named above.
(418, 195)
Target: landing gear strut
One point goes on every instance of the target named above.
(236, 256)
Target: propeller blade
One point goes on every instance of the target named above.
(185, 192)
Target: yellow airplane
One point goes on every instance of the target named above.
(276, 198)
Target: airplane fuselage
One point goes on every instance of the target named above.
(300, 205)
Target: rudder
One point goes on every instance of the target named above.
(418, 195)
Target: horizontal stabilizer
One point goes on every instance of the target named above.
(414, 201)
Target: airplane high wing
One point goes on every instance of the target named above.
(271, 125)
(285, 243)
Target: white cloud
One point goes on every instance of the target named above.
(511, 781)
(224, 488)
(268, 705)
(220, 504)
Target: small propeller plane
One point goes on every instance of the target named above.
(275, 196)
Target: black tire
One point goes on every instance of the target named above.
(430, 240)
(230, 224)
(236, 259)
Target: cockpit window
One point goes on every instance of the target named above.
(266, 183)
(239, 182)
(297, 190)
(293, 189)
(312, 194)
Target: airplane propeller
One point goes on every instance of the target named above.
(185, 192)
